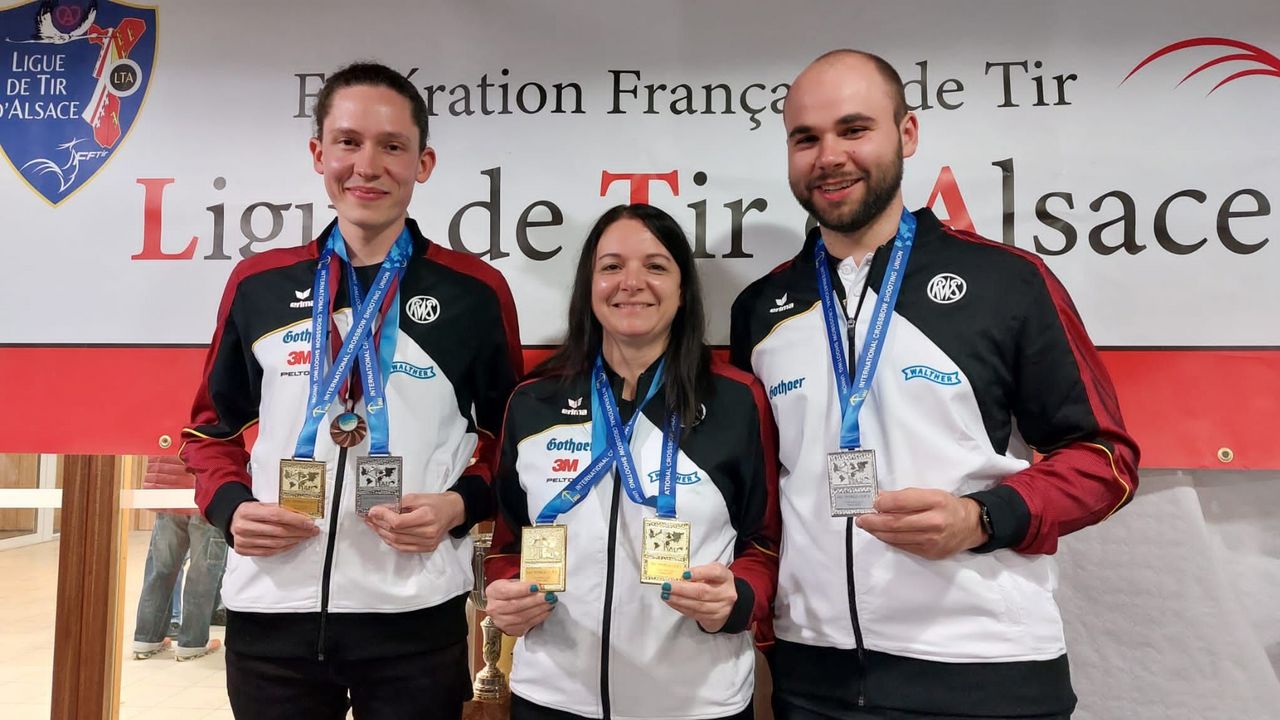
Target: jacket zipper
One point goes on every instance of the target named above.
(608, 599)
(853, 613)
(328, 552)
(851, 327)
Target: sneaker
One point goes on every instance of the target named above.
(144, 650)
(174, 627)
(183, 654)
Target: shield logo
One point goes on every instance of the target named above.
(73, 75)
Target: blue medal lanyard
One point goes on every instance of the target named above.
(358, 347)
(611, 445)
(853, 393)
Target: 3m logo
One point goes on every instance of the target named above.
(565, 465)
(298, 357)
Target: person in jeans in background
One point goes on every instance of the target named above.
(176, 533)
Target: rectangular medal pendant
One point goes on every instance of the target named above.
(379, 481)
(302, 485)
(851, 478)
(544, 552)
(664, 553)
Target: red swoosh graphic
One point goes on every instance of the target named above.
(1252, 53)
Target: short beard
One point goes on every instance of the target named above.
(880, 194)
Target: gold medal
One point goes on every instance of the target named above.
(664, 550)
(302, 484)
(544, 551)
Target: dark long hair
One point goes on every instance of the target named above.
(688, 361)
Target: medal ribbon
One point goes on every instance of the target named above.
(364, 315)
(610, 444)
(853, 394)
(373, 372)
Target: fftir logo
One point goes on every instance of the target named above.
(1263, 62)
(70, 76)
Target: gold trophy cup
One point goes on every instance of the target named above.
(490, 683)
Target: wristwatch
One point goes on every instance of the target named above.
(984, 517)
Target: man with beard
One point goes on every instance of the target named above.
(912, 369)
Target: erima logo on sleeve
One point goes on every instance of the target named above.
(927, 373)
(781, 304)
(574, 408)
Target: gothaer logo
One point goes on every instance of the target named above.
(1255, 61)
(73, 75)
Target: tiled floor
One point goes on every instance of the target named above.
(153, 689)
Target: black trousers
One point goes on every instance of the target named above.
(784, 710)
(522, 709)
(427, 686)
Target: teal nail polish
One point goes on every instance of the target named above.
(551, 598)
(687, 575)
(533, 588)
(666, 596)
(666, 588)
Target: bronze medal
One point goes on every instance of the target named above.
(348, 429)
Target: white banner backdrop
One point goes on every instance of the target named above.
(1152, 200)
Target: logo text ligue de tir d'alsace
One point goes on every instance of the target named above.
(73, 74)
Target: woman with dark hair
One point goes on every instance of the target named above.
(638, 491)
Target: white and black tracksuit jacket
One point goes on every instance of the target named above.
(345, 594)
(986, 360)
(612, 648)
